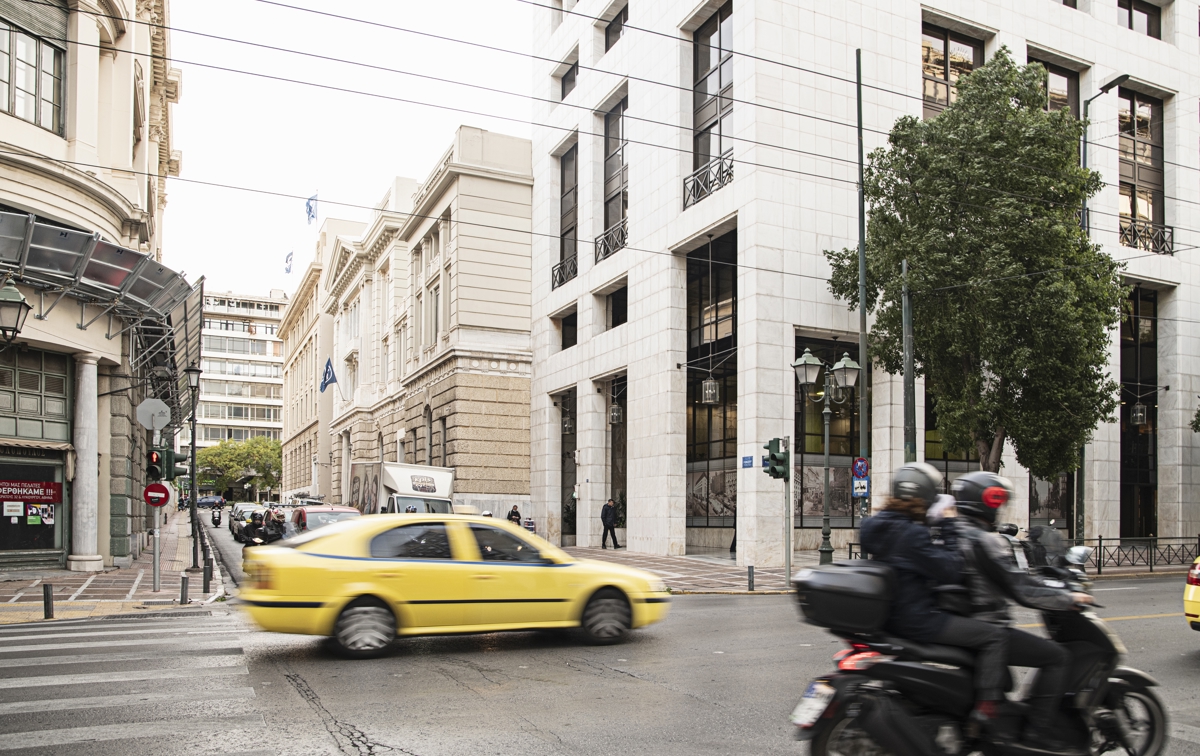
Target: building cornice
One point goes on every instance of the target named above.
(307, 289)
(439, 182)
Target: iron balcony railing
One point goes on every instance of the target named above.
(564, 271)
(1152, 237)
(615, 238)
(707, 179)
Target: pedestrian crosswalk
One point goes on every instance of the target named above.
(173, 683)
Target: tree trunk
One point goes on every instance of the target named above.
(990, 450)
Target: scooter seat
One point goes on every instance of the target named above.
(930, 652)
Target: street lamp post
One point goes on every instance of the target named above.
(1105, 88)
(193, 379)
(839, 381)
(13, 310)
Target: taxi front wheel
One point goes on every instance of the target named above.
(607, 618)
(364, 629)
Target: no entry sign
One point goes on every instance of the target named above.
(156, 494)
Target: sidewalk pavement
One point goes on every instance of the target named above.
(716, 572)
(115, 591)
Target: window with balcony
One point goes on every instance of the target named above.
(1141, 17)
(712, 107)
(946, 57)
(568, 261)
(616, 306)
(1141, 203)
(616, 184)
(615, 28)
(31, 78)
(567, 80)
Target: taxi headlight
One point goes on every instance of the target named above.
(658, 586)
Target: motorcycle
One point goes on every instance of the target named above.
(216, 517)
(893, 696)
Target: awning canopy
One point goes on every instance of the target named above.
(130, 290)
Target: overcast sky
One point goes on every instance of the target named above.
(294, 139)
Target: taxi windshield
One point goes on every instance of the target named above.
(311, 535)
(423, 506)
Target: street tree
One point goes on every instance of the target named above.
(220, 466)
(263, 456)
(1012, 303)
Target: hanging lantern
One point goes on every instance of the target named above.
(616, 414)
(710, 391)
(568, 425)
(1137, 414)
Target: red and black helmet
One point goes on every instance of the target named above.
(980, 494)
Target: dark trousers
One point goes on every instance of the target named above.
(604, 540)
(1053, 663)
(990, 644)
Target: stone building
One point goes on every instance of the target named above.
(684, 193)
(85, 150)
(430, 334)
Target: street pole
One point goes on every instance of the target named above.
(910, 384)
(864, 401)
(788, 506)
(826, 549)
(157, 575)
(194, 491)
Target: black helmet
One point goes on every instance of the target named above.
(917, 480)
(979, 494)
(256, 518)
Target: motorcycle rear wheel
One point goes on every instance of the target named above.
(844, 737)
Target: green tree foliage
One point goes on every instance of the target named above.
(224, 465)
(1012, 303)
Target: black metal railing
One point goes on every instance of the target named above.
(615, 238)
(1120, 552)
(564, 271)
(707, 179)
(1152, 237)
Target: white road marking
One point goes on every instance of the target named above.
(13, 600)
(1097, 590)
(134, 699)
(48, 661)
(109, 644)
(127, 676)
(136, 582)
(167, 728)
(1185, 732)
(156, 631)
(82, 588)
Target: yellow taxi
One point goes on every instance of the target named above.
(366, 580)
(1191, 596)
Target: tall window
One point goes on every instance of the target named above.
(568, 265)
(616, 182)
(713, 89)
(615, 28)
(1062, 88)
(435, 313)
(31, 78)
(1142, 17)
(567, 82)
(1139, 416)
(946, 57)
(1141, 207)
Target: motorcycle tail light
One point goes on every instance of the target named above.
(1193, 577)
(856, 662)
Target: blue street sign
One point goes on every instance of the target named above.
(860, 468)
(862, 488)
(747, 461)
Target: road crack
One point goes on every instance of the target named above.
(349, 739)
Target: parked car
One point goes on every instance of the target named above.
(311, 517)
(1191, 596)
(366, 580)
(208, 502)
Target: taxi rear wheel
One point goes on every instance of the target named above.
(607, 618)
(364, 629)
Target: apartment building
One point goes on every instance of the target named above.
(241, 388)
(684, 193)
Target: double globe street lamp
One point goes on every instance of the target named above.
(840, 379)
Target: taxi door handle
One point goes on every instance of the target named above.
(387, 574)
(484, 577)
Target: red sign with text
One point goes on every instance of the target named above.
(31, 491)
(156, 494)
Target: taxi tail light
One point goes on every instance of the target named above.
(260, 578)
(1193, 577)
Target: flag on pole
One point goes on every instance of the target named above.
(310, 209)
(287, 267)
(328, 376)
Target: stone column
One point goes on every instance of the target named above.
(85, 491)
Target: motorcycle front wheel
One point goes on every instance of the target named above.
(844, 736)
(1145, 719)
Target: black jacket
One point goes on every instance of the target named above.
(608, 515)
(514, 516)
(920, 566)
(993, 576)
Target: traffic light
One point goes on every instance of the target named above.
(173, 462)
(778, 459)
(154, 465)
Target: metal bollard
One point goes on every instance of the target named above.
(750, 577)
(183, 586)
(48, 600)
(208, 571)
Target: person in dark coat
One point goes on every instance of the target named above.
(514, 516)
(608, 517)
(899, 537)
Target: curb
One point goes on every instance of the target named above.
(1169, 572)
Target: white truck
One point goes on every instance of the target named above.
(390, 487)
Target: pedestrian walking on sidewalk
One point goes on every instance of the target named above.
(608, 517)
(515, 516)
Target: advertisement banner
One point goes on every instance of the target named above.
(364, 487)
(31, 491)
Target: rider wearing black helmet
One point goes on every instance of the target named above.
(993, 577)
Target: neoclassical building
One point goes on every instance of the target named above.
(85, 152)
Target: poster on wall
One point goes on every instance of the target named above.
(32, 491)
(14, 508)
(47, 514)
(364, 487)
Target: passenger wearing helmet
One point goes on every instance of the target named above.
(487, 513)
(993, 577)
(254, 529)
(410, 509)
(898, 536)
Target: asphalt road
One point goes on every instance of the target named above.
(718, 677)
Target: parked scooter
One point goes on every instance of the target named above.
(893, 696)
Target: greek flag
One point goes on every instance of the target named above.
(328, 377)
(310, 209)
(287, 267)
